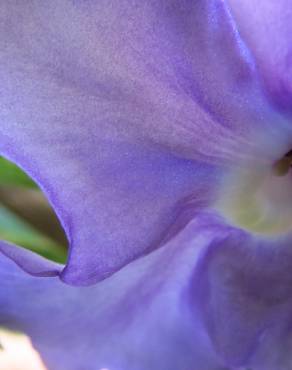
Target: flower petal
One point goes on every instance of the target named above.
(244, 289)
(266, 27)
(30, 262)
(108, 104)
(139, 318)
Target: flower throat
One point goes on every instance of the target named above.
(258, 198)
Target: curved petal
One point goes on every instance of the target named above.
(30, 262)
(138, 318)
(107, 104)
(266, 27)
(244, 288)
(274, 352)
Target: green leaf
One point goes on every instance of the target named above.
(11, 174)
(17, 231)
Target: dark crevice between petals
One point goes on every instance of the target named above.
(283, 165)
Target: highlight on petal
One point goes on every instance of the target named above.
(17, 353)
(115, 107)
(266, 27)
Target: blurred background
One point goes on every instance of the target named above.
(26, 217)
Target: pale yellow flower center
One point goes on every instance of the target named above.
(259, 198)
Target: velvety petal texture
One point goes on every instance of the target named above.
(30, 262)
(243, 286)
(140, 318)
(130, 115)
(266, 27)
(213, 298)
(115, 107)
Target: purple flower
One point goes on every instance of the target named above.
(159, 131)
